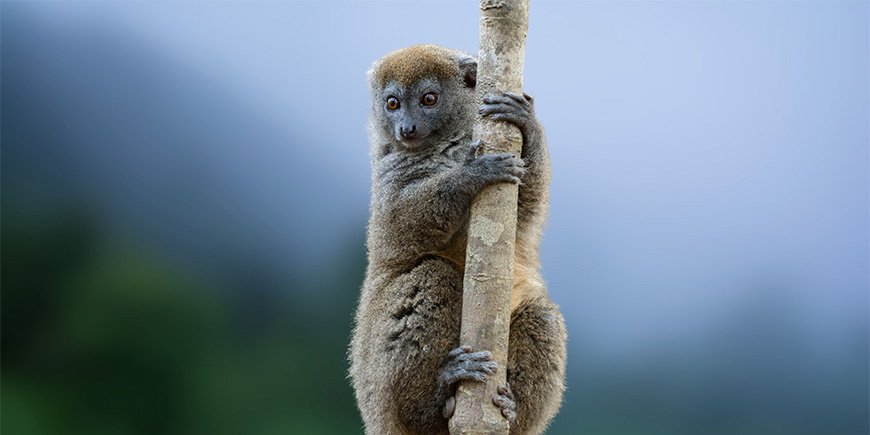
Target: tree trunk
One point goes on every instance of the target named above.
(489, 265)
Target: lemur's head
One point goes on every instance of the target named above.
(423, 94)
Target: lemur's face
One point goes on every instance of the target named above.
(423, 95)
(414, 114)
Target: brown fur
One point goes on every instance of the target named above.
(410, 306)
(409, 65)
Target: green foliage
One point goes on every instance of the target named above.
(101, 336)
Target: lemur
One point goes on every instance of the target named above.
(405, 355)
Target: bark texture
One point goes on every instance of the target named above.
(489, 266)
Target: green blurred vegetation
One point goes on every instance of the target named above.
(104, 335)
(101, 335)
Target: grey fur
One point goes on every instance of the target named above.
(405, 353)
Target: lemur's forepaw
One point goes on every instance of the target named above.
(502, 168)
(474, 150)
(493, 168)
(464, 365)
(511, 107)
(505, 401)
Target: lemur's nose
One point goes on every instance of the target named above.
(408, 133)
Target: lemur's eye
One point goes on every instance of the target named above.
(430, 99)
(392, 103)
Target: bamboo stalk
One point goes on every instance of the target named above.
(489, 274)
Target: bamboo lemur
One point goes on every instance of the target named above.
(405, 355)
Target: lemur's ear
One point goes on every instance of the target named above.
(468, 68)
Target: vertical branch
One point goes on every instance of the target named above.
(489, 274)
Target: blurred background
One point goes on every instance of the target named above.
(185, 190)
